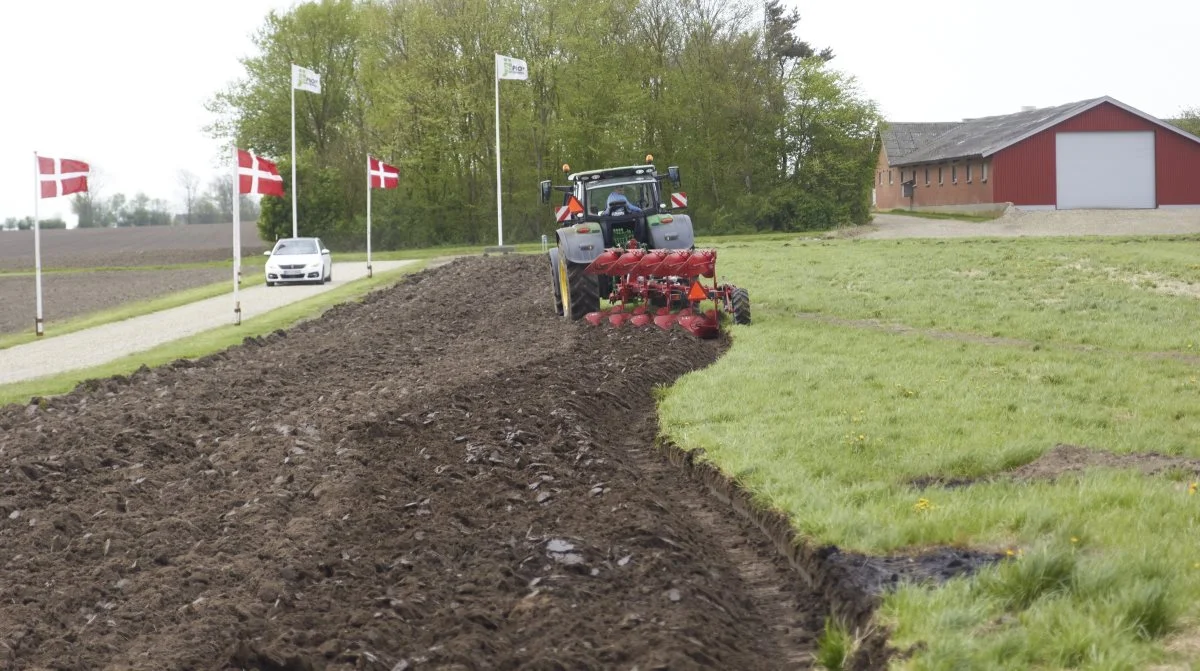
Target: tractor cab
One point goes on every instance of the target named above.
(624, 202)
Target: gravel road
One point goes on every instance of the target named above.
(93, 347)
(1016, 223)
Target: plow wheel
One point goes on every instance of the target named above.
(580, 291)
(741, 306)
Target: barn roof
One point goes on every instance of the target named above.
(988, 135)
(902, 139)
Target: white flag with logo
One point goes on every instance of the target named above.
(511, 68)
(305, 79)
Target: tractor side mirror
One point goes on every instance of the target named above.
(545, 191)
(673, 173)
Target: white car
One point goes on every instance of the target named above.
(298, 261)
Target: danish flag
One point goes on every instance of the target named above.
(258, 175)
(61, 176)
(383, 176)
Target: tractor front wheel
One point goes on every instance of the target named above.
(740, 299)
(558, 301)
(580, 291)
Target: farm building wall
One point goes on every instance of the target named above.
(1026, 173)
(954, 188)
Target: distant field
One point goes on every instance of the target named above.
(120, 247)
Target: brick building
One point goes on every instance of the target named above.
(1097, 153)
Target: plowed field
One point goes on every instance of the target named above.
(443, 476)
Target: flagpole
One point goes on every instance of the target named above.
(369, 212)
(37, 244)
(499, 204)
(237, 241)
(295, 191)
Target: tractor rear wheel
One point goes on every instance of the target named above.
(741, 306)
(580, 291)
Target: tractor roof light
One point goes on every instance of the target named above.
(566, 168)
(649, 158)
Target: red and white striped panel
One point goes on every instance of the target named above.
(562, 214)
(679, 199)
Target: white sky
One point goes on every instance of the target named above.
(122, 83)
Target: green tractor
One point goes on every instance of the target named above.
(621, 240)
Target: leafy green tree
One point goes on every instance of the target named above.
(768, 135)
(1189, 120)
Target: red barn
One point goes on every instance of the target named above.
(1098, 153)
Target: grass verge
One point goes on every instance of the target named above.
(871, 363)
(207, 342)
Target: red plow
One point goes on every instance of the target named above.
(666, 287)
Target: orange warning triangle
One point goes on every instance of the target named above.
(574, 207)
(697, 292)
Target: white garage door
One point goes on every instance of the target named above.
(1106, 170)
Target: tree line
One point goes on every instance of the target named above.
(768, 134)
(211, 206)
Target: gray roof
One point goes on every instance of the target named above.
(902, 139)
(988, 135)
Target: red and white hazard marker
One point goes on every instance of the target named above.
(679, 199)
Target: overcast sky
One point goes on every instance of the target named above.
(122, 83)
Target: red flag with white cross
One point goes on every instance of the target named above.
(61, 176)
(383, 176)
(258, 175)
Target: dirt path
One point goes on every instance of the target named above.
(416, 481)
(1017, 223)
(95, 346)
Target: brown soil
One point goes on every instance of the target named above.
(118, 247)
(430, 479)
(66, 295)
(1067, 459)
(1064, 459)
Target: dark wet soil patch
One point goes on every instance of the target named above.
(1066, 459)
(437, 477)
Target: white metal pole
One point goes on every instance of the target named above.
(295, 191)
(369, 212)
(37, 244)
(237, 240)
(499, 204)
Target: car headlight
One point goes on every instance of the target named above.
(315, 264)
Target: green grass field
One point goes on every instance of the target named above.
(871, 363)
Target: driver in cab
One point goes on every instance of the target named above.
(617, 200)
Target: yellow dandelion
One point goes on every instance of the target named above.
(1009, 552)
(1192, 488)
(1074, 539)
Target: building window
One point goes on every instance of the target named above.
(983, 172)
(941, 181)
(954, 174)
(880, 175)
(926, 175)
(889, 177)
(968, 173)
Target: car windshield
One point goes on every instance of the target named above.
(640, 194)
(293, 247)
